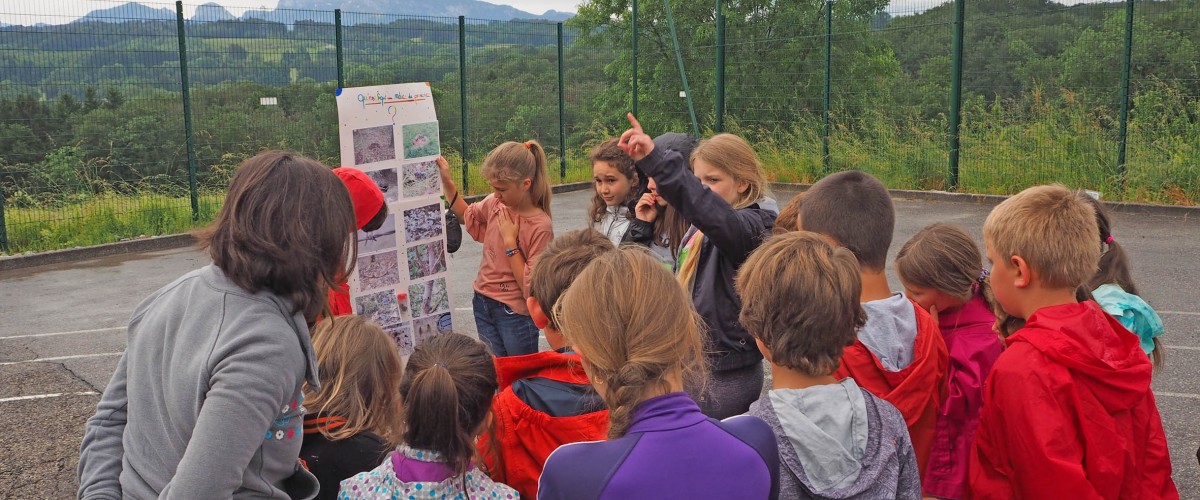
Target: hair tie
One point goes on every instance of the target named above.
(529, 145)
(1108, 240)
(983, 275)
(440, 363)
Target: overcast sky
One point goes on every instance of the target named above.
(65, 11)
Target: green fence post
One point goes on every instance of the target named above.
(3, 226)
(187, 112)
(562, 112)
(956, 71)
(687, 92)
(462, 96)
(634, 53)
(337, 40)
(1126, 68)
(720, 70)
(825, 159)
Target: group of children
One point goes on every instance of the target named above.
(1027, 378)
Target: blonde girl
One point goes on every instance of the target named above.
(940, 268)
(447, 393)
(615, 181)
(513, 224)
(355, 419)
(724, 198)
(637, 348)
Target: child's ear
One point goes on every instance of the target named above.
(526, 184)
(1022, 276)
(763, 349)
(537, 314)
(743, 186)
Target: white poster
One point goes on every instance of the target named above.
(390, 132)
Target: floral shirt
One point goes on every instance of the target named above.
(412, 473)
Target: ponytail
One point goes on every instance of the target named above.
(539, 189)
(517, 161)
(447, 391)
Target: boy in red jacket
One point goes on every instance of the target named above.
(1067, 410)
(545, 398)
(369, 213)
(899, 355)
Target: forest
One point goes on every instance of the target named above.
(94, 112)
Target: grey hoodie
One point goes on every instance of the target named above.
(839, 441)
(206, 401)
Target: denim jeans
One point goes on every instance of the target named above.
(506, 332)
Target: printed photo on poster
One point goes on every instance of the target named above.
(428, 327)
(374, 144)
(426, 259)
(380, 239)
(380, 308)
(421, 179)
(421, 139)
(429, 297)
(378, 270)
(423, 223)
(402, 334)
(386, 180)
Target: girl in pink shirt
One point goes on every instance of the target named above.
(513, 224)
(940, 270)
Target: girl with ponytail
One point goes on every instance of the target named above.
(446, 392)
(639, 339)
(513, 224)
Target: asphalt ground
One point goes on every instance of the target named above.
(62, 329)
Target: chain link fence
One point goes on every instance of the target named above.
(131, 121)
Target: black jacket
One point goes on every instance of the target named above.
(730, 235)
(333, 461)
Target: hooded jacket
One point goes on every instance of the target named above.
(368, 200)
(524, 434)
(901, 358)
(1068, 413)
(973, 347)
(730, 235)
(839, 442)
(614, 223)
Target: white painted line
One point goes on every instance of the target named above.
(61, 358)
(1178, 395)
(1180, 348)
(44, 396)
(53, 334)
(1184, 313)
(462, 308)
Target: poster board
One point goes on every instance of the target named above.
(390, 132)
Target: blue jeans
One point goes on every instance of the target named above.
(506, 332)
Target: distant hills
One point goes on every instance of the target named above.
(291, 11)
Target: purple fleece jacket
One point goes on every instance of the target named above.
(671, 451)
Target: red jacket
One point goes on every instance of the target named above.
(915, 390)
(516, 447)
(1068, 413)
(339, 300)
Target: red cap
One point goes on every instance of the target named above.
(364, 194)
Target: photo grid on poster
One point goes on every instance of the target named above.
(391, 133)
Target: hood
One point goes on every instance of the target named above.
(554, 365)
(769, 204)
(1100, 353)
(890, 331)
(366, 197)
(1133, 313)
(826, 427)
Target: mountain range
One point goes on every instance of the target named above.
(291, 11)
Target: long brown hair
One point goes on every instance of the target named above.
(1114, 265)
(634, 327)
(517, 161)
(447, 390)
(943, 257)
(360, 372)
(286, 226)
(608, 152)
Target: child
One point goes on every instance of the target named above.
(639, 339)
(355, 419)
(369, 213)
(1067, 411)
(1112, 287)
(545, 399)
(836, 440)
(615, 180)
(940, 270)
(899, 355)
(656, 224)
(513, 223)
(446, 391)
(207, 396)
(724, 198)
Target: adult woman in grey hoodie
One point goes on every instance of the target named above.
(207, 401)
